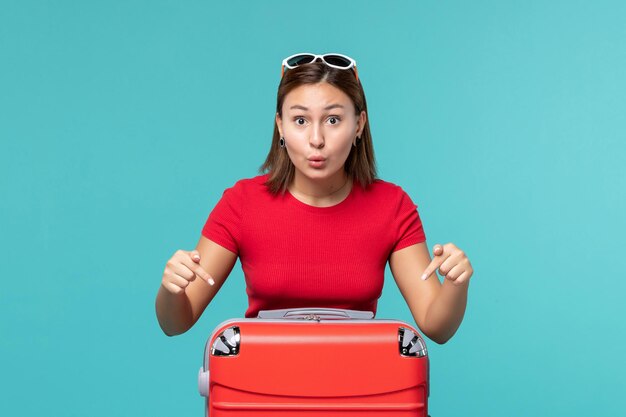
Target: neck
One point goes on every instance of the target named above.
(321, 192)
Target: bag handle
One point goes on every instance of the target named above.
(315, 313)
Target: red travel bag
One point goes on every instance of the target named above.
(315, 362)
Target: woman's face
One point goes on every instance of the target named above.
(320, 127)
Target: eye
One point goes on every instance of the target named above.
(333, 120)
(299, 121)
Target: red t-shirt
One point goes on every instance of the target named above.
(296, 255)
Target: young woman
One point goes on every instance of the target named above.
(317, 229)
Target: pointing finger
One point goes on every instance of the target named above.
(435, 263)
(197, 268)
(203, 274)
(432, 267)
(195, 256)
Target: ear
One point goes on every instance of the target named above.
(360, 123)
(279, 124)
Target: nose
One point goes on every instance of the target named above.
(316, 139)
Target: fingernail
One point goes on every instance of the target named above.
(196, 257)
(424, 277)
(211, 281)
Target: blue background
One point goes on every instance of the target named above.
(121, 123)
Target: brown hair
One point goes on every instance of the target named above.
(360, 165)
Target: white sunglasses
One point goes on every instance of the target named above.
(338, 61)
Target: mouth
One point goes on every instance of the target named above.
(317, 162)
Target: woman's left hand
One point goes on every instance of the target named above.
(452, 262)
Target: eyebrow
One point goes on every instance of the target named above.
(332, 106)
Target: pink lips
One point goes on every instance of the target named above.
(317, 161)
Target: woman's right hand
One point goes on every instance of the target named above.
(181, 269)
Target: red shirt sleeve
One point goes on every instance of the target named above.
(408, 223)
(224, 223)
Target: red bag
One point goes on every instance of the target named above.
(325, 362)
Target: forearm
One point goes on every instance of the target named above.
(446, 312)
(173, 312)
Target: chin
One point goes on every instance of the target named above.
(316, 175)
(320, 174)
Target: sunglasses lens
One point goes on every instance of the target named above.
(337, 61)
(300, 60)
